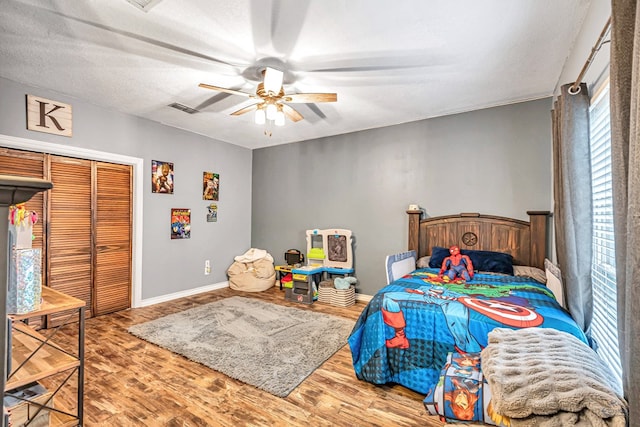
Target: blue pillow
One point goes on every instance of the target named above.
(438, 254)
(493, 262)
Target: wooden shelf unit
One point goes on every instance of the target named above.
(34, 356)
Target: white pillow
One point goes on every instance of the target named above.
(554, 280)
(532, 272)
(423, 262)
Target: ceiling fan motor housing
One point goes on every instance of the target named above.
(262, 93)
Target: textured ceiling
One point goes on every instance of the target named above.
(390, 62)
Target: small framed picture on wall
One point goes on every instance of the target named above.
(161, 177)
(180, 223)
(210, 186)
(212, 213)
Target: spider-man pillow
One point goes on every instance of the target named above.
(484, 261)
(462, 393)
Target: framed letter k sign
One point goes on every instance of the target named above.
(45, 115)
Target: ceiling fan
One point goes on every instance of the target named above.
(272, 101)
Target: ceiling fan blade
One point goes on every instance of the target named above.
(245, 109)
(307, 98)
(148, 40)
(224, 89)
(364, 62)
(292, 114)
(276, 24)
(317, 111)
(212, 100)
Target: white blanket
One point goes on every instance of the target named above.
(545, 377)
(254, 254)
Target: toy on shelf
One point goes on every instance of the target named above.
(344, 283)
(294, 257)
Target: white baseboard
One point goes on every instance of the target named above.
(182, 294)
(164, 298)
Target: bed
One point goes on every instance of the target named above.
(408, 329)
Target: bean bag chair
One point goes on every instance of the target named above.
(252, 272)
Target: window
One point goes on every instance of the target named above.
(604, 327)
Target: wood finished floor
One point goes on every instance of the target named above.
(129, 382)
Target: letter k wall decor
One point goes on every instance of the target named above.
(45, 115)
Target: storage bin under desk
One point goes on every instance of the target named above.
(305, 281)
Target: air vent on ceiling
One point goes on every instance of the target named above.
(184, 108)
(144, 5)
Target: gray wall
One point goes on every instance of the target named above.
(493, 161)
(168, 266)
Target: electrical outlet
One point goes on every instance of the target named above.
(207, 267)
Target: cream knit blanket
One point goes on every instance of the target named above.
(545, 377)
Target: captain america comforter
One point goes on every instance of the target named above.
(404, 334)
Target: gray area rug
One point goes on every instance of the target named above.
(269, 346)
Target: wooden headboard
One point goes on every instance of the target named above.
(525, 241)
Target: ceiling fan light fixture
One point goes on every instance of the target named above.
(260, 118)
(272, 103)
(273, 80)
(272, 110)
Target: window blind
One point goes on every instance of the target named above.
(604, 327)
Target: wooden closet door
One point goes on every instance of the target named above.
(112, 273)
(87, 238)
(70, 243)
(30, 165)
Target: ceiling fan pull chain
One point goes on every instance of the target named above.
(268, 131)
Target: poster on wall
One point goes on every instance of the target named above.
(212, 213)
(161, 177)
(180, 223)
(210, 186)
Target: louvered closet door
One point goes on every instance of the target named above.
(70, 240)
(112, 280)
(30, 165)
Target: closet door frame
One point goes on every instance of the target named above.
(137, 193)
